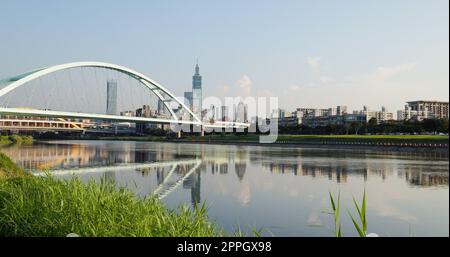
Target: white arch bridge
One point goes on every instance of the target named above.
(167, 98)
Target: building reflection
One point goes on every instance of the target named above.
(66, 156)
(240, 170)
(426, 178)
(193, 183)
(340, 173)
(220, 161)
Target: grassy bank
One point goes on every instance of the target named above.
(15, 139)
(412, 139)
(44, 206)
(8, 169)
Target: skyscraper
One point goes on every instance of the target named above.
(240, 112)
(197, 98)
(111, 98)
(161, 107)
(224, 113)
(188, 99)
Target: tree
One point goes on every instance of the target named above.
(355, 126)
(347, 128)
(372, 125)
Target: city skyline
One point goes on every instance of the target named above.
(395, 51)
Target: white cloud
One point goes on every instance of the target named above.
(384, 73)
(245, 86)
(326, 80)
(313, 62)
(244, 195)
(226, 88)
(265, 93)
(294, 87)
(314, 219)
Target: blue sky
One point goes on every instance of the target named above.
(308, 53)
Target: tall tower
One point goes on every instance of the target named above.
(197, 92)
(197, 78)
(111, 98)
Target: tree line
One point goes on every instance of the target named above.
(372, 127)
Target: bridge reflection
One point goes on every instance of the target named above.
(165, 168)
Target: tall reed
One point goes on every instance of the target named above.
(361, 226)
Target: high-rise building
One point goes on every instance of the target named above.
(437, 109)
(240, 112)
(384, 115)
(145, 112)
(188, 99)
(341, 110)
(212, 112)
(127, 113)
(224, 116)
(197, 97)
(278, 113)
(194, 98)
(161, 108)
(111, 98)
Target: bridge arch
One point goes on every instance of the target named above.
(17, 81)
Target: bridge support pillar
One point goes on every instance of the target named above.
(202, 133)
(179, 134)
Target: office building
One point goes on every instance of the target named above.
(197, 97)
(127, 113)
(145, 112)
(224, 115)
(111, 98)
(241, 112)
(188, 101)
(161, 108)
(436, 109)
(341, 110)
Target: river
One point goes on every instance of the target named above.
(283, 190)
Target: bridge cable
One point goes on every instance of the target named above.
(33, 87)
(118, 91)
(130, 86)
(97, 86)
(8, 99)
(84, 96)
(51, 91)
(72, 91)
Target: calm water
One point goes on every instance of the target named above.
(284, 190)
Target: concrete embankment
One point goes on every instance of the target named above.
(385, 147)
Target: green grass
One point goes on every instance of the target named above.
(335, 211)
(15, 139)
(44, 206)
(360, 226)
(9, 169)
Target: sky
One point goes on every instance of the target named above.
(307, 53)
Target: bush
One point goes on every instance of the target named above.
(16, 139)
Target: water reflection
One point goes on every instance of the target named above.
(417, 176)
(107, 155)
(281, 188)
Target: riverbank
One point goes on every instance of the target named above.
(394, 143)
(15, 139)
(44, 206)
